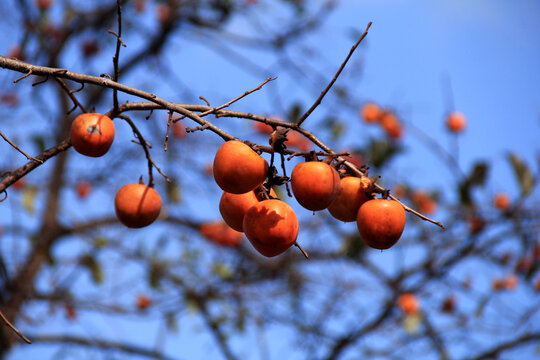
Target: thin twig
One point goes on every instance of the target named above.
(19, 149)
(169, 122)
(8, 323)
(144, 145)
(71, 96)
(23, 77)
(116, 57)
(325, 91)
(227, 104)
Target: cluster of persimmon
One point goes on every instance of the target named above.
(389, 122)
(249, 205)
(136, 205)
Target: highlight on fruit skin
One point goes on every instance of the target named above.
(271, 226)
(237, 168)
(315, 184)
(456, 122)
(92, 134)
(381, 222)
(137, 205)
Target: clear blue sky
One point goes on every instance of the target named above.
(489, 49)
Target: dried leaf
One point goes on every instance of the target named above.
(523, 174)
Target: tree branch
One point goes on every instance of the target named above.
(101, 344)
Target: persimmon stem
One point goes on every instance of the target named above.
(301, 250)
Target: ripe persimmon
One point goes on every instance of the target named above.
(314, 184)
(381, 222)
(456, 122)
(350, 197)
(220, 233)
(262, 128)
(391, 124)
(143, 301)
(298, 141)
(179, 130)
(271, 226)
(501, 200)
(137, 205)
(371, 112)
(408, 303)
(92, 134)
(233, 207)
(238, 169)
(83, 189)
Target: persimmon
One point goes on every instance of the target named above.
(16, 52)
(90, 47)
(381, 222)
(501, 200)
(408, 303)
(83, 189)
(220, 233)
(92, 134)
(391, 124)
(354, 158)
(137, 205)
(19, 184)
(142, 302)
(179, 130)
(71, 312)
(476, 224)
(271, 226)
(238, 169)
(350, 197)
(456, 122)
(371, 112)
(298, 141)
(44, 4)
(424, 202)
(233, 207)
(262, 128)
(449, 304)
(314, 184)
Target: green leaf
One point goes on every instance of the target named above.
(100, 242)
(28, 198)
(354, 246)
(294, 113)
(478, 174)
(89, 262)
(523, 174)
(224, 271)
(380, 152)
(411, 323)
(174, 192)
(154, 275)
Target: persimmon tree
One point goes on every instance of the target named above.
(462, 281)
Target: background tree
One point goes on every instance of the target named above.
(75, 281)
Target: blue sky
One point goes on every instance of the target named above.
(489, 50)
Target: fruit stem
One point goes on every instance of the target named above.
(301, 250)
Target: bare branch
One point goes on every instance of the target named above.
(325, 91)
(18, 148)
(102, 344)
(8, 323)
